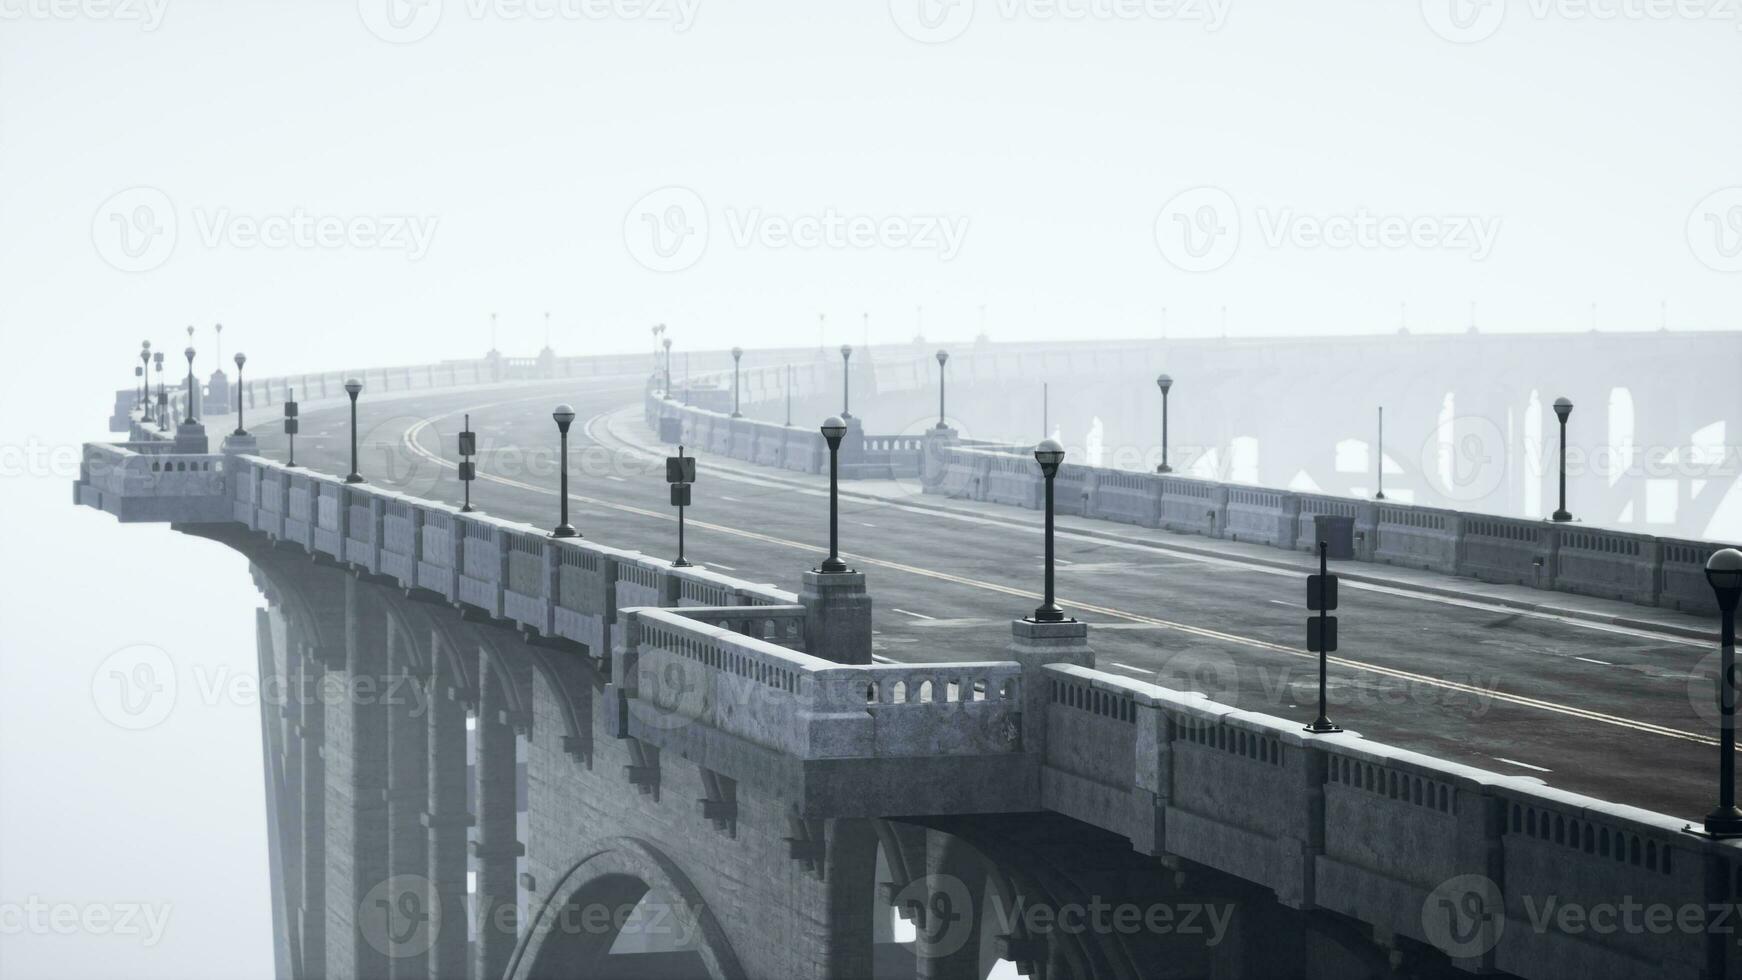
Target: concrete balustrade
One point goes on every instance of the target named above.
(1378, 833)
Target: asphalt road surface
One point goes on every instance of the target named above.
(1614, 712)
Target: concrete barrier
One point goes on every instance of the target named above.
(1610, 564)
(1130, 498)
(1509, 550)
(1268, 516)
(1013, 480)
(1418, 537)
(1193, 506)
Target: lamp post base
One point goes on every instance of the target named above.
(682, 563)
(1561, 516)
(1322, 726)
(832, 566)
(1164, 468)
(565, 531)
(1049, 614)
(354, 478)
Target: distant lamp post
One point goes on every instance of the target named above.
(667, 343)
(564, 415)
(1165, 383)
(353, 387)
(1724, 572)
(1562, 409)
(241, 359)
(846, 378)
(193, 390)
(145, 380)
(833, 429)
(1379, 458)
(1049, 454)
(737, 355)
(943, 358)
(162, 393)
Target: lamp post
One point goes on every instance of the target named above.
(1165, 383)
(1379, 458)
(145, 380)
(1049, 454)
(1724, 572)
(241, 359)
(943, 358)
(833, 429)
(667, 343)
(353, 387)
(563, 416)
(737, 355)
(846, 378)
(192, 391)
(162, 393)
(789, 396)
(1562, 409)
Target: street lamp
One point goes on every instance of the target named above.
(1724, 572)
(737, 354)
(1165, 383)
(833, 430)
(563, 416)
(1379, 458)
(241, 359)
(943, 358)
(191, 389)
(1563, 408)
(1049, 454)
(667, 343)
(846, 378)
(353, 387)
(145, 379)
(162, 394)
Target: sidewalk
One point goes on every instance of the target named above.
(626, 429)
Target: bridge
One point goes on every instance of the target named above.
(812, 775)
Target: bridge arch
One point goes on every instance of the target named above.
(620, 873)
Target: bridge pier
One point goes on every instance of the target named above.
(407, 778)
(356, 809)
(446, 819)
(498, 846)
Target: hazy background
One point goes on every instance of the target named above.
(141, 145)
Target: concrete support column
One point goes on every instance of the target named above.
(947, 941)
(498, 846)
(357, 777)
(408, 702)
(446, 819)
(837, 616)
(312, 820)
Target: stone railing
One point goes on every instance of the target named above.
(1571, 558)
(680, 670)
(1381, 834)
(146, 482)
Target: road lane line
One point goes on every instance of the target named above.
(1588, 660)
(410, 441)
(1521, 765)
(913, 614)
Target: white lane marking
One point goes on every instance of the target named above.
(1281, 603)
(866, 524)
(617, 479)
(1134, 670)
(732, 499)
(738, 475)
(1588, 660)
(723, 568)
(884, 660)
(410, 442)
(1521, 765)
(913, 614)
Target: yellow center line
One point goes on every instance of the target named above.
(410, 439)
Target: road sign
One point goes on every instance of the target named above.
(680, 495)
(1321, 592)
(680, 469)
(468, 443)
(1322, 639)
(468, 470)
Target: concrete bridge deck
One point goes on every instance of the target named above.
(1586, 706)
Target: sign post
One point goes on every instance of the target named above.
(468, 469)
(680, 472)
(291, 423)
(1322, 631)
